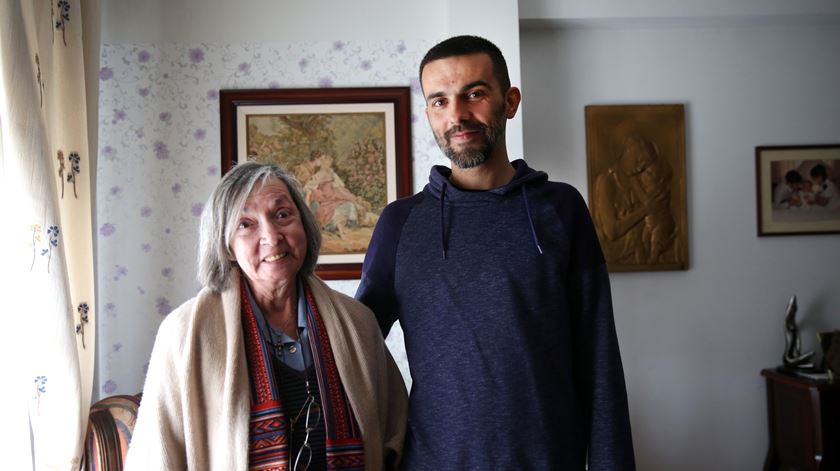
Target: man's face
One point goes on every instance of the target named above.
(466, 108)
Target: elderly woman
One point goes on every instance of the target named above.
(267, 367)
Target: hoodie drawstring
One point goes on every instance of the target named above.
(442, 222)
(531, 220)
(443, 241)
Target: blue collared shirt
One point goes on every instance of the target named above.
(295, 354)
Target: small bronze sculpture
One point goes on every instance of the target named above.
(793, 357)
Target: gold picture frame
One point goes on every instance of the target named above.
(349, 148)
(635, 157)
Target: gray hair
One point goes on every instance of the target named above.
(222, 211)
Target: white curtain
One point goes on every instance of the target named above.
(46, 188)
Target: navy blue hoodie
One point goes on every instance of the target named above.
(504, 299)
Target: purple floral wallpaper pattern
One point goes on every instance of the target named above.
(159, 159)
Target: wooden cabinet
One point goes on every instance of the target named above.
(803, 418)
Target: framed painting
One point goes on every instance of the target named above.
(349, 149)
(635, 157)
(797, 189)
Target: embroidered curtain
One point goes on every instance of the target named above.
(46, 187)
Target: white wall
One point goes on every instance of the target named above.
(693, 342)
(223, 21)
(622, 9)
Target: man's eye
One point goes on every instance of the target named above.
(437, 103)
(475, 94)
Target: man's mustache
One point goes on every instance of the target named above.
(464, 126)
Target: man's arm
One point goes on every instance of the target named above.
(599, 375)
(377, 290)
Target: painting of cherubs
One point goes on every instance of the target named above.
(339, 160)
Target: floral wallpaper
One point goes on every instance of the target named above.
(159, 159)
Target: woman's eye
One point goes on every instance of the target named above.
(244, 225)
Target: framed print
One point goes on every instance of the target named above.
(797, 189)
(349, 149)
(635, 156)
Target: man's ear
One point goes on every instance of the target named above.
(512, 99)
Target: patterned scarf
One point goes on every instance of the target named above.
(268, 438)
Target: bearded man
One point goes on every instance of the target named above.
(500, 286)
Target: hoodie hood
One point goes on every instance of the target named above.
(439, 184)
(440, 188)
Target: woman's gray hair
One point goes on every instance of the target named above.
(221, 215)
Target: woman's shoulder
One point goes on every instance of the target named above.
(198, 322)
(359, 314)
(348, 302)
(194, 310)
(351, 304)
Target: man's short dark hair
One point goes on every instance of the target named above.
(819, 171)
(467, 45)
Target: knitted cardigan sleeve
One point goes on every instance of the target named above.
(371, 379)
(158, 438)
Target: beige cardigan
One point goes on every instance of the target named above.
(196, 405)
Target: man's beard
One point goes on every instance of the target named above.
(477, 153)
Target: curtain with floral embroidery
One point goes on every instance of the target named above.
(46, 188)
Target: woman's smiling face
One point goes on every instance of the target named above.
(269, 242)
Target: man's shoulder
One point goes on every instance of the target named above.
(556, 191)
(389, 227)
(560, 186)
(397, 211)
(405, 203)
(562, 199)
